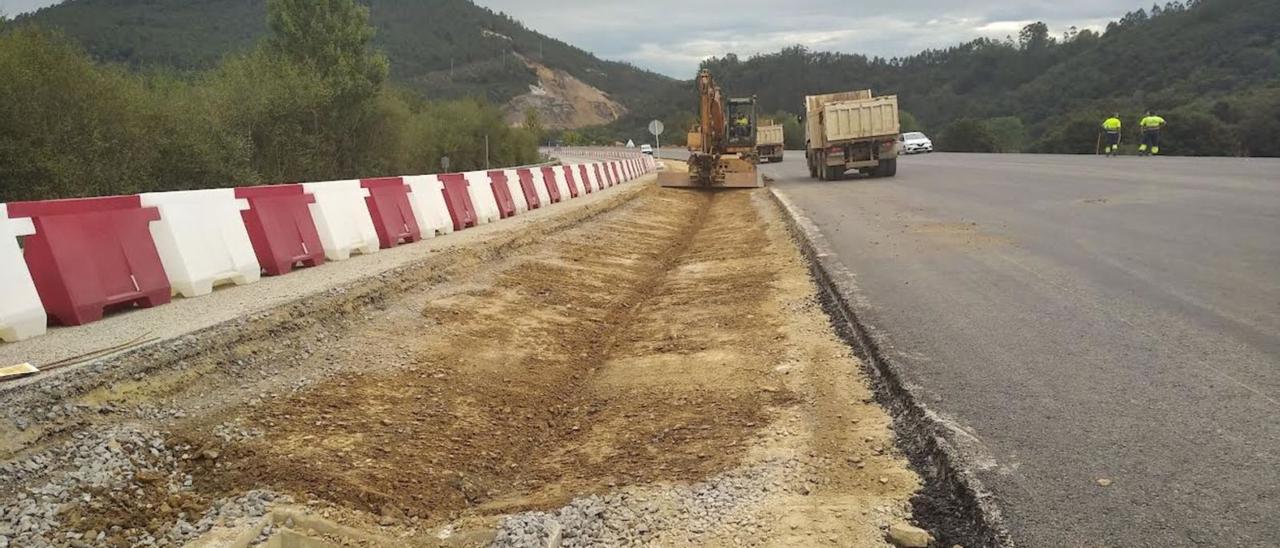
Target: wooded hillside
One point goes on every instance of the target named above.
(443, 49)
(1210, 67)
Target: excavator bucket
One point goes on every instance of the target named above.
(732, 173)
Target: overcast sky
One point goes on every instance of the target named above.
(672, 36)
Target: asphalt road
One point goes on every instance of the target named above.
(1084, 319)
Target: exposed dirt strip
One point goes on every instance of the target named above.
(659, 375)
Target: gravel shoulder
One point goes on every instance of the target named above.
(656, 372)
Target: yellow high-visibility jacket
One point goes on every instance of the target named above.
(1112, 124)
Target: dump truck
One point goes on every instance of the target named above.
(851, 130)
(722, 146)
(769, 142)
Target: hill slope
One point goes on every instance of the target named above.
(441, 48)
(1212, 67)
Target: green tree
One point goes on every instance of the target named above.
(1034, 36)
(331, 37)
(967, 135)
(1009, 133)
(533, 124)
(1194, 132)
(908, 122)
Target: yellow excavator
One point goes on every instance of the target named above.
(722, 146)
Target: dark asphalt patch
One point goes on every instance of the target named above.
(952, 505)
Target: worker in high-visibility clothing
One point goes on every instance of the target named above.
(1111, 128)
(1151, 125)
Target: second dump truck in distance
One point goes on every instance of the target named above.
(851, 130)
(769, 143)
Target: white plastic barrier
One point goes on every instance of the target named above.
(427, 198)
(562, 185)
(517, 192)
(21, 314)
(482, 198)
(342, 218)
(540, 187)
(202, 239)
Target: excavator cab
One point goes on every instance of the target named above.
(742, 125)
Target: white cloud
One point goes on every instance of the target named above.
(672, 36)
(13, 8)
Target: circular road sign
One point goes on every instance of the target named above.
(656, 127)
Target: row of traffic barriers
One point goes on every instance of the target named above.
(84, 257)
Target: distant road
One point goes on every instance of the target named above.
(1084, 319)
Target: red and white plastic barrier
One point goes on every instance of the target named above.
(482, 198)
(83, 257)
(429, 208)
(342, 218)
(21, 314)
(391, 211)
(549, 183)
(540, 187)
(91, 254)
(202, 239)
(280, 227)
(458, 198)
(516, 191)
(502, 193)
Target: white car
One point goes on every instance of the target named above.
(646, 149)
(916, 142)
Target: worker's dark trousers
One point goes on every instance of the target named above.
(1150, 141)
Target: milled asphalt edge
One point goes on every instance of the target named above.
(953, 505)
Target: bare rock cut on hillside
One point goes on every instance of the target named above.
(563, 101)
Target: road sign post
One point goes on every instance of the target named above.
(656, 127)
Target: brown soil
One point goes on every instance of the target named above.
(636, 354)
(668, 341)
(563, 101)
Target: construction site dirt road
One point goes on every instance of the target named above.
(657, 371)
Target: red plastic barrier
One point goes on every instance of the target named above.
(93, 254)
(392, 215)
(502, 193)
(568, 180)
(600, 176)
(530, 193)
(586, 178)
(458, 200)
(613, 167)
(549, 181)
(280, 227)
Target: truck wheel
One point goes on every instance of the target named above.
(820, 167)
(835, 173)
(887, 168)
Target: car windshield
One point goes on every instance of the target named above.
(914, 135)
